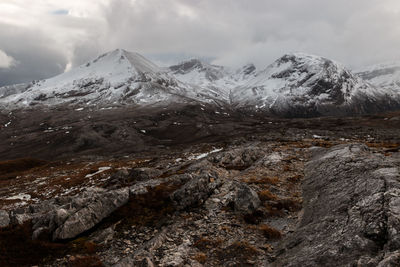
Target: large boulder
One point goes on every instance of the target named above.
(246, 200)
(66, 218)
(195, 191)
(352, 210)
(100, 206)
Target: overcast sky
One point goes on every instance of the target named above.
(41, 38)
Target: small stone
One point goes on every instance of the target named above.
(246, 199)
(4, 218)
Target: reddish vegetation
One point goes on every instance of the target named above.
(145, 209)
(270, 232)
(85, 261)
(205, 243)
(261, 180)
(240, 251)
(18, 249)
(265, 195)
(11, 168)
(200, 257)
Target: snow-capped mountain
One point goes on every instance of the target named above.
(217, 80)
(294, 85)
(112, 78)
(385, 75)
(300, 84)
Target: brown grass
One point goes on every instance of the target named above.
(322, 143)
(262, 181)
(200, 257)
(266, 195)
(205, 243)
(85, 261)
(11, 168)
(289, 204)
(383, 145)
(150, 209)
(268, 247)
(18, 249)
(270, 232)
(274, 212)
(240, 252)
(295, 178)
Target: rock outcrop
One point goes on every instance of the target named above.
(78, 214)
(351, 211)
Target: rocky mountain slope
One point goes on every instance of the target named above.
(301, 85)
(386, 75)
(117, 77)
(294, 85)
(240, 193)
(217, 79)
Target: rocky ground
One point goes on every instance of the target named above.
(198, 188)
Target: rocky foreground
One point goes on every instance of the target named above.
(292, 196)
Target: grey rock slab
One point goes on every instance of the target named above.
(100, 206)
(195, 191)
(351, 210)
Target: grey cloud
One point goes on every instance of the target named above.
(227, 32)
(35, 57)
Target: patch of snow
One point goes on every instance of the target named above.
(274, 157)
(100, 170)
(20, 196)
(203, 155)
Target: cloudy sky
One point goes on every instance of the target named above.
(41, 38)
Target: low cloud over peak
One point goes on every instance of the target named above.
(229, 32)
(5, 60)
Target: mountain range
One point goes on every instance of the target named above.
(295, 85)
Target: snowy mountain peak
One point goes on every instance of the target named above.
(302, 84)
(121, 60)
(196, 66)
(384, 75)
(115, 77)
(298, 72)
(296, 84)
(247, 69)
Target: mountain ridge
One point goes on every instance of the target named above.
(296, 84)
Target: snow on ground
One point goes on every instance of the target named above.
(203, 155)
(20, 196)
(101, 169)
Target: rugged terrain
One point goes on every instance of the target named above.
(195, 185)
(121, 163)
(295, 85)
